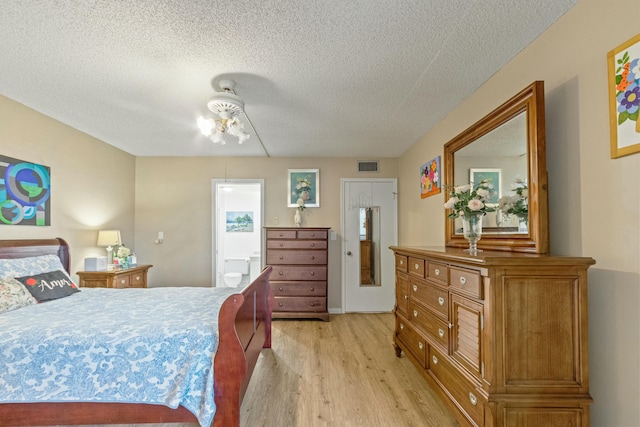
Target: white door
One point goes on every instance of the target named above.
(370, 226)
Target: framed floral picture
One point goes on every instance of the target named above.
(624, 97)
(303, 187)
(494, 176)
(430, 178)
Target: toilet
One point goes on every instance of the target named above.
(234, 268)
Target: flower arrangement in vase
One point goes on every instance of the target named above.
(303, 186)
(470, 203)
(517, 204)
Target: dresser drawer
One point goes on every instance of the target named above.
(431, 296)
(281, 234)
(299, 289)
(467, 281)
(463, 391)
(401, 263)
(438, 272)
(312, 234)
(296, 257)
(416, 267)
(311, 304)
(121, 281)
(296, 244)
(412, 339)
(136, 280)
(303, 272)
(402, 294)
(430, 324)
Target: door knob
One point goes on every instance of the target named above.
(349, 253)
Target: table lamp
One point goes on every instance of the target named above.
(109, 238)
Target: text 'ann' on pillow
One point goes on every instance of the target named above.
(49, 286)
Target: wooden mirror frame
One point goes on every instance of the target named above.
(531, 101)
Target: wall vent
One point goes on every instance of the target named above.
(368, 166)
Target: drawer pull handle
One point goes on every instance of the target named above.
(281, 244)
(281, 257)
(137, 277)
(280, 273)
(437, 271)
(313, 273)
(417, 267)
(401, 326)
(420, 345)
(434, 359)
(313, 244)
(122, 281)
(473, 399)
(463, 280)
(280, 288)
(313, 234)
(415, 313)
(281, 234)
(440, 300)
(313, 257)
(280, 304)
(406, 297)
(311, 304)
(440, 333)
(415, 288)
(401, 262)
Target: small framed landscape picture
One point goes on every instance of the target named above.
(303, 184)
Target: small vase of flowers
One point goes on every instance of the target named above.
(517, 204)
(470, 203)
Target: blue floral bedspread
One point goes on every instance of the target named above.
(151, 345)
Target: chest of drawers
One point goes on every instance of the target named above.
(133, 277)
(501, 337)
(299, 257)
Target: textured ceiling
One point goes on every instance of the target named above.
(361, 78)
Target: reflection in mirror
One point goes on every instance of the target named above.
(499, 156)
(370, 245)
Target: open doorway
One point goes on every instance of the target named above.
(237, 220)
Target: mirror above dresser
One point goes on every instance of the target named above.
(508, 147)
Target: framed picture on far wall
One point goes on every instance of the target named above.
(624, 97)
(430, 178)
(494, 177)
(303, 184)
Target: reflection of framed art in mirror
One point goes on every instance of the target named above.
(493, 176)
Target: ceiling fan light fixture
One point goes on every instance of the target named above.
(227, 106)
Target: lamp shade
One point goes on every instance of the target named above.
(109, 238)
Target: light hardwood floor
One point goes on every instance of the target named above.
(339, 373)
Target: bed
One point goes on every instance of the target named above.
(243, 330)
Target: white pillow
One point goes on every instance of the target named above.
(14, 295)
(18, 267)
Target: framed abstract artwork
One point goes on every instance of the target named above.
(430, 173)
(624, 97)
(494, 176)
(303, 184)
(25, 193)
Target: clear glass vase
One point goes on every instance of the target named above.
(472, 230)
(523, 223)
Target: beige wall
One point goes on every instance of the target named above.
(92, 183)
(594, 203)
(173, 195)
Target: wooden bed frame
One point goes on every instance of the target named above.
(244, 324)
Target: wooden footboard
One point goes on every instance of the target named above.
(244, 324)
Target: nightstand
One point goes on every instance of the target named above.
(132, 277)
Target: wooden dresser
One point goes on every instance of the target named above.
(299, 258)
(502, 337)
(132, 277)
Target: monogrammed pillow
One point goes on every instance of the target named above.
(13, 295)
(49, 286)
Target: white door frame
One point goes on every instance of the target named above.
(344, 205)
(215, 183)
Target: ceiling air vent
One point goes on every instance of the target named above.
(368, 166)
